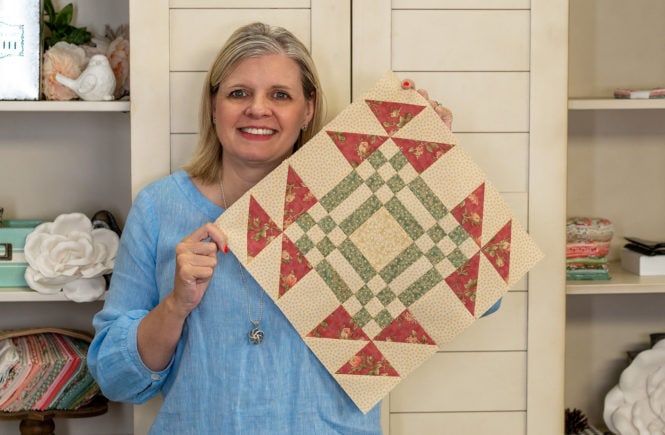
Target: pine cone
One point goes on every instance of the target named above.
(575, 421)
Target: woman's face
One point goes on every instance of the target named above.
(260, 109)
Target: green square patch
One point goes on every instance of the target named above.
(304, 244)
(306, 222)
(362, 317)
(396, 183)
(383, 318)
(364, 295)
(377, 159)
(327, 224)
(375, 182)
(325, 246)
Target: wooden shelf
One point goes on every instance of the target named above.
(65, 106)
(22, 294)
(621, 282)
(614, 104)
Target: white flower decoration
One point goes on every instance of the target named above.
(68, 254)
(636, 406)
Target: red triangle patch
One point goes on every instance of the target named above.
(297, 198)
(393, 116)
(368, 362)
(339, 325)
(464, 282)
(421, 154)
(497, 251)
(469, 213)
(405, 329)
(261, 229)
(356, 147)
(294, 266)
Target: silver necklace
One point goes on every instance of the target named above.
(255, 334)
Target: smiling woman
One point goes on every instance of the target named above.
(258, 113)
(182, 317)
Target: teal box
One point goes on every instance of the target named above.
(12, 257)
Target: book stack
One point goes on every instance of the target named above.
(587, 247)
(643, 257)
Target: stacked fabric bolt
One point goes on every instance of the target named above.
(44, 372)
(587, 248)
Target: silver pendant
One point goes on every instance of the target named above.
(256, 334)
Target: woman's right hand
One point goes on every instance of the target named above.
(196, 258)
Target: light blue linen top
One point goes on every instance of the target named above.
(217, 382)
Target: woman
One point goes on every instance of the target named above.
(178, 324)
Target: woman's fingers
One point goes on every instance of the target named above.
(444, 113)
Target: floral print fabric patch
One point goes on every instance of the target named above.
(380, 240)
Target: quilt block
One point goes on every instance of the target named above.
(380, 240)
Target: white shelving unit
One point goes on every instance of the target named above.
(616, 148)
(60, 157)
(65, 106)
(614, 104)
(622, 282)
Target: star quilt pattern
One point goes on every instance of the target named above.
(380, 240)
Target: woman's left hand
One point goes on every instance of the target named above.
(443, 112)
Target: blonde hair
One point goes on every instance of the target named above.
(252, 40)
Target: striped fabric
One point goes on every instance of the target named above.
(51, 373)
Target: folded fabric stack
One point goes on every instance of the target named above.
(44, 371)
(587, 248)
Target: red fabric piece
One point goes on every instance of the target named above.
(421, 154)
(339, 325)
(393, 116)
(261, 229)
(405, 329)
(464, 282)
(297, 198)
(469, 213)
(368, 362)
(497, 251)
(356, 147)
(294, 266)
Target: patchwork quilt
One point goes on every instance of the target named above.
(380, 240)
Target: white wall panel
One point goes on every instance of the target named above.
(454, 40)
(480, 101)
(460, 4)
(182, 149)
(503, 330)
(462, 423)
(464, 381)
(185, 88)
(197, 34)
(245, 4)
(504, 157)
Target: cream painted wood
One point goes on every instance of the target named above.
(502, 45)
(196, 35)
(460, 4)
(495, 423)
(185, 88)
(238, 4)
(149, 77)
(547, 214)
(488, 150)
(462, 382)
(478, 99)
(509, 321)
(182, 149)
